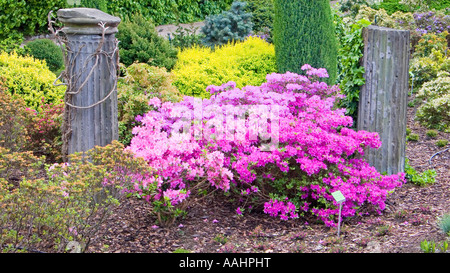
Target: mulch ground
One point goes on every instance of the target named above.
(212, 226)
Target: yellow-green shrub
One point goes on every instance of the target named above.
(426, 68)
(29, 79)
(435, 111)
(245, 63)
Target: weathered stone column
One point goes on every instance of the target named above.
(91, 77)
(383, 98)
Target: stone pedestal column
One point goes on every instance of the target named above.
(91, 116)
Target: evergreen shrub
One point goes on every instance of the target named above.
(262, 17)
(304, 34)
(46, 49)
(229, 26)
(140, 42)
(95, 4)
(392, 6)
(12, 43)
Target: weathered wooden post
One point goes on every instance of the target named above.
(383, 98)
(91, 76)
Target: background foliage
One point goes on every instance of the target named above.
(168, 11)
(26, 17)
(262, 17)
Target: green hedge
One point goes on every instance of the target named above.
(168, 11)
(26, 16)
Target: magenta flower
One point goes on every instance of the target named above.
(239, 211)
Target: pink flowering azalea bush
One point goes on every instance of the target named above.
(282, 147)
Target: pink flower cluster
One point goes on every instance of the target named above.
(287, 129)
(279, 208)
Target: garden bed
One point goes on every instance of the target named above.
(213, 226)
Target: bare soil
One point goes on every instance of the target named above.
(212, 226)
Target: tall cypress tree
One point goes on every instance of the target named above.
(304, 34)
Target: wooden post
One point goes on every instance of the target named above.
(91, 115)
(383, 98)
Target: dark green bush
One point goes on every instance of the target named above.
(139, 42)
(229, 26)
(306, 37)
(46, 49)
(262, 16)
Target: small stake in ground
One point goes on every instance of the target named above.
(339, 197)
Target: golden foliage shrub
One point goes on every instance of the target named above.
(245, 63)
(29, 79)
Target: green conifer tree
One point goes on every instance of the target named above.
(304, 34)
